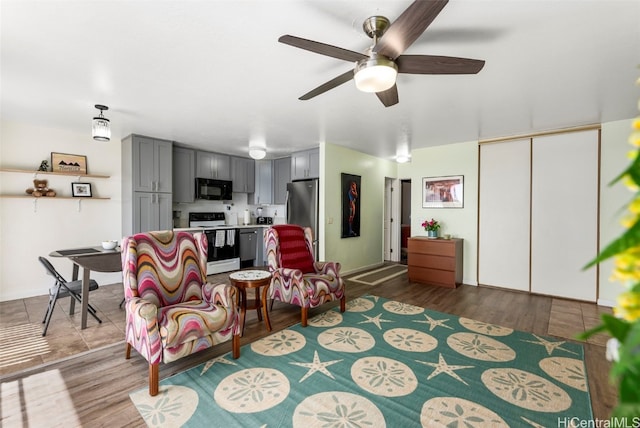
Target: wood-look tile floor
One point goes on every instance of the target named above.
(65, 338)
(22, 319)
(104, 393)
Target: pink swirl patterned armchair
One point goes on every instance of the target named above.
(171, 309)
(296, 277)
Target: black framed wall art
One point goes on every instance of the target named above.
(351, 194)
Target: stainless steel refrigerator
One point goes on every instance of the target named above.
(302, 207)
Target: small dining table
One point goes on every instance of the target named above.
(95, 259)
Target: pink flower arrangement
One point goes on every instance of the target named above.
(431, 225)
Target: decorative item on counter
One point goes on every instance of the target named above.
(44, 165)
(431, 226)
(109, 245)
(40, 189)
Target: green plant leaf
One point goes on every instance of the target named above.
(625, 410)
(588, 333)
(616, 327)
(633, 170)
(627, 369)
(629, 239)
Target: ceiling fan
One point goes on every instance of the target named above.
(377, 68)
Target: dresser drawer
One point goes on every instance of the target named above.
(431, 261)
(441, 247)
(424, 275)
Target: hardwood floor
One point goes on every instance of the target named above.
(95, 383)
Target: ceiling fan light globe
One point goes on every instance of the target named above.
(257, 153)
(375, 74)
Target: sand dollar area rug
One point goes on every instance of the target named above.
(381, 364)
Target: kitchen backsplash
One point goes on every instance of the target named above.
(234, 209)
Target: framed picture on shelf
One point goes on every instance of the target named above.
(443, 192)
(73, 164)
(81, 190)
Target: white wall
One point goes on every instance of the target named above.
(28, 231)
(451, 159)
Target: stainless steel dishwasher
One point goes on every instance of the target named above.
(248, 246)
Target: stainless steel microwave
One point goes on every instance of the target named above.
(213, 190)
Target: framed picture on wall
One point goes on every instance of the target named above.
(351, 194)
(443, 192)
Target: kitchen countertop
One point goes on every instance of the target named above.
(222, 227)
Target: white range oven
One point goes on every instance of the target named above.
(223, 241)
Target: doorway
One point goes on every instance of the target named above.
(405, 218)
(397, 218)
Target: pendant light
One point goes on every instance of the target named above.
(101, 125)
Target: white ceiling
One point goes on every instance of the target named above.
(211, 74)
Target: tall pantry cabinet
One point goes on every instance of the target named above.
(146, 184)
(538, 214)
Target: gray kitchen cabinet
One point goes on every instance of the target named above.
(281, 176)
(147, 184)
(152, 161)
(213, 165)
(243, 175)
(264, 182)
(152, 211)
(305, 164)
(184, 174)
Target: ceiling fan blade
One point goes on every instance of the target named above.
(408, 27)
(322, 48)
(389, 97)
(434, 64)
(335, 82)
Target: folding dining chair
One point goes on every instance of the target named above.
(63, 288)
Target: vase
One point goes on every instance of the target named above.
(432, 234)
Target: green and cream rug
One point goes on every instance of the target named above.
(381, 363)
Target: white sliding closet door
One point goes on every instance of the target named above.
(503, 256)
(564, 220)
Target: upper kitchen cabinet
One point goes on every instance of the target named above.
(264, 182)
(147, 185)
(213, 165)
(305, 164)
(281, 176)
(151, 164)
(184, 174)
(243, 172)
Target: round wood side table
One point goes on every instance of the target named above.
(251, 278)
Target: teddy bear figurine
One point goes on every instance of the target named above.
(40, 189)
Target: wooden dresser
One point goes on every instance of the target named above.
(435, 261)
